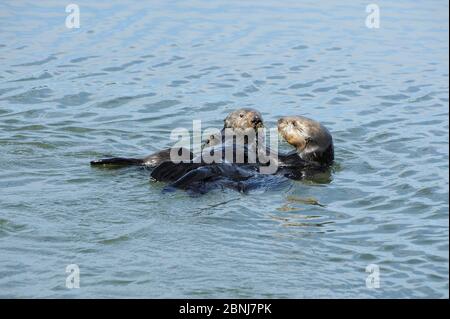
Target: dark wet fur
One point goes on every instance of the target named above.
(118, 161)
(181, 175)
(199, 178)
(324, 158)
(244, 179)
(152, 160)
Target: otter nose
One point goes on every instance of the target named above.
(256, 120)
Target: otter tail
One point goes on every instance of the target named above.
(118, 161)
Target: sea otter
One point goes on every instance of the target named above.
(314, 152)
(312, 141)
(241, 122)
(314, 149)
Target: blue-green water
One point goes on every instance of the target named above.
(134, 71)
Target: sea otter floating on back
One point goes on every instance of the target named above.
(314, 152)
(241, 122)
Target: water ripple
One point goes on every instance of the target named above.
(118, 86)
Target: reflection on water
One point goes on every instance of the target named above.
(134, 71)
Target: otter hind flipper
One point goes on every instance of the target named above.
(117, 161)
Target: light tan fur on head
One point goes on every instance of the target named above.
(311, 139)
(243, 119)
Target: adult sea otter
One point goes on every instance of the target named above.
(241, 122)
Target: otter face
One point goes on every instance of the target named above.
(244, 119)
(311, 139)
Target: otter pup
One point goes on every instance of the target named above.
(314, 153)
(241, 121)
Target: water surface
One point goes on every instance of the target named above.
(134, 71)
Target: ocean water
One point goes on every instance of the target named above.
(134, 71)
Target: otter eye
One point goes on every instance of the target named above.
(241, 115)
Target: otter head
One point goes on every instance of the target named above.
(241, 122)
(311, 139)
(244, 119)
